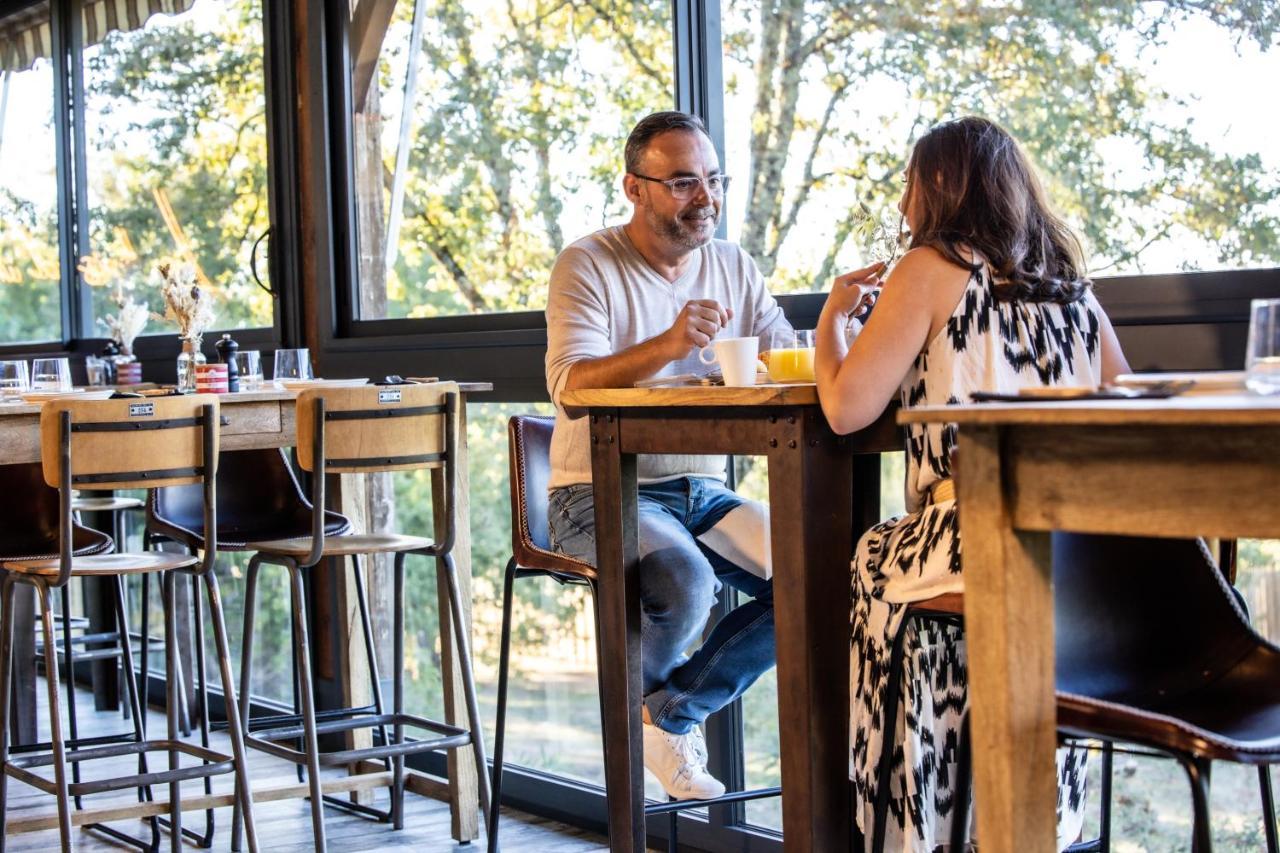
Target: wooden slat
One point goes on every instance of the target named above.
(1008, 606)
(1207, 409)
(1178, 481)
(692, 395)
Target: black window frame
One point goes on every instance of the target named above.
(78, 335)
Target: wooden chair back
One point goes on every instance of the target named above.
(128, 443)
(375, 428)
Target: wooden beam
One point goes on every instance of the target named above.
(368, 29)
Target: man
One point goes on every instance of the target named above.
(628, 303)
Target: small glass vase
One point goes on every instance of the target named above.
(187, 361)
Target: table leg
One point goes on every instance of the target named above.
(1009, 631)
(809, 469)
(613, 478)
(464, 792)
(23, 706)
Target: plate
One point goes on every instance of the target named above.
(303, 384)
(77, 393)
(1197, 382)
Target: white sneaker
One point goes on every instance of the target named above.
(699, 742)
(676, 763)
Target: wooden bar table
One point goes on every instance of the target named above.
(1188, 466)
(257, 420)
(823, 491)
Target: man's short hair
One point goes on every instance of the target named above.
(656, 124)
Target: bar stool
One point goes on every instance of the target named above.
(530, 458)
(86, 444)
(356, 431)
(258, 498)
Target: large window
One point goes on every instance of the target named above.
(490, 137)
(1142, 117)
(30, 269)
(176, 145)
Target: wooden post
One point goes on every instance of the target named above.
(464, 800)
(1010, 643)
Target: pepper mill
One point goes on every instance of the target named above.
(109, 353)
(226, 349)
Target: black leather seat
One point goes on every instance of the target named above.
(1153, 648)
(29, 508)
(258, 498)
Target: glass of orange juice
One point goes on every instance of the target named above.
(791, 355)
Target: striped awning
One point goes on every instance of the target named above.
(25, 36)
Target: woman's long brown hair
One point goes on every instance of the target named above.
(973, 187)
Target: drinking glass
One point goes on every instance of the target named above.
(51, 374)
(1262, 355)
(13, 379)
(791, 355)
(249, 367)
(95, 370)
(292, 364)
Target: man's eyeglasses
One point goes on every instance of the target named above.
(683, 189)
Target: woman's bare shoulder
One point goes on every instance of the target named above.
(928, 267)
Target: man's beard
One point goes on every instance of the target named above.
(684, 231)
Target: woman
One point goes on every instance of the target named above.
(992, 296)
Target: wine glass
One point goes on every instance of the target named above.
(51, 374)
(292, 364)
(14, 379)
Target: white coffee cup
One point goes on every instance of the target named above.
(737, 358)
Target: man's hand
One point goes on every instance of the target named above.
(697, 323)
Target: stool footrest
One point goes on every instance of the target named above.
(217, 764)
(448, 737)
(731, 797)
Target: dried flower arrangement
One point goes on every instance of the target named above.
(130, 318)
(184, 302)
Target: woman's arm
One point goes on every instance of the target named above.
(1113, 361)
(855, 387)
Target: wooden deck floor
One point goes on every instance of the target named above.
(284, 825)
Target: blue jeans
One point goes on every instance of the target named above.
(679, 579)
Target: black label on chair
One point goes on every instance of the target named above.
(142, 410)
(390, 395)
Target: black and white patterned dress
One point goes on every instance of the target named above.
(986, 345)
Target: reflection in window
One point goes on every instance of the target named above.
(30, 271)
(510, 149)
(175, 127)
(1136, 113)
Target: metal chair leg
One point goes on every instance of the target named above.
(69, 659)
(1198, 774)
(1104, 817)
(200, 711)
(246, 673)
(964, 781)
(174, 686)
(468, 686)
(308, 706)
(55, 717)
(499, 734)
(375, 677)
(137, 712)
(244, 792)
(1268, 808)
(6, 672)
(884, 770)
(397, 640)
(144, 645)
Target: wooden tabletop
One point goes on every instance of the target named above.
(794, 394)
(1211, 409)
(237, 397)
